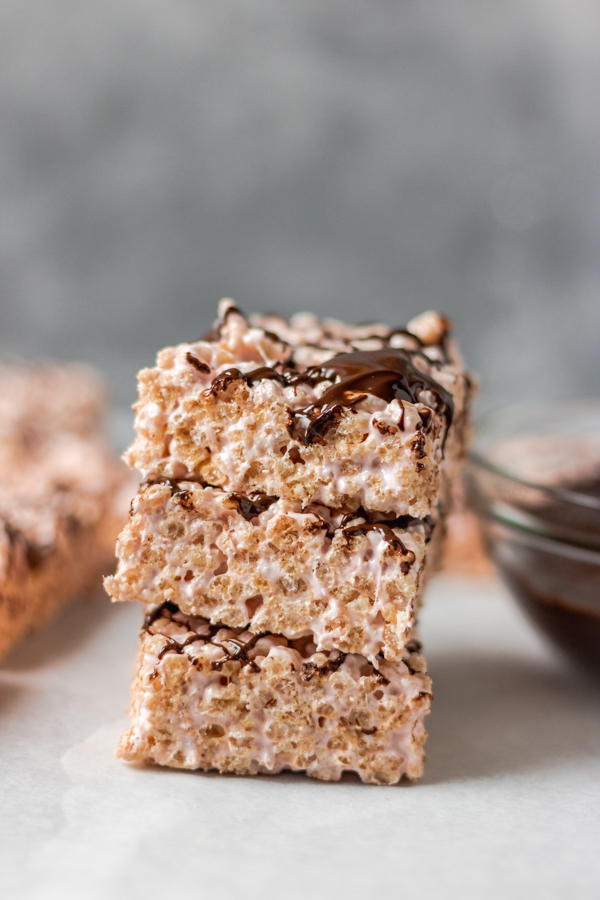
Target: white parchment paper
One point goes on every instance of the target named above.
(509, 806)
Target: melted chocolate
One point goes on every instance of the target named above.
(181, 495)
(158, 613)
(402, 522)
(559, 591)
(240, 648)
(287, 377)
(442, 344)
(215, 332)
(249, 505)
(168, 610)
(309, 669)
(196, 363)
(574, 628)
(388, 374)
(392, 539)
(252, 505)
(375, 522)
(240, 652)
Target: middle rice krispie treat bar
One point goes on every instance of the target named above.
(270, 565)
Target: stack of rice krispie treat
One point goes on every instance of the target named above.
(296, 479)
(63, 496)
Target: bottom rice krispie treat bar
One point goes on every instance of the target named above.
(208, 697)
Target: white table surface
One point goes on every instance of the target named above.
(509, 806)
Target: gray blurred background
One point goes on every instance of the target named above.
(364, 159)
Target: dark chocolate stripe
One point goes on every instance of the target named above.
(215, 332)
(287, 377)
(388, 374)
(240, 648)
(252, 505)
(309, 669)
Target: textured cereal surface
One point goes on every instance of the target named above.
(286, 570)
(282, 706)
(390, 457)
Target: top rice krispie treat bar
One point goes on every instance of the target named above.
(309, 411)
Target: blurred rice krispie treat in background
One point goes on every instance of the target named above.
(63, 495)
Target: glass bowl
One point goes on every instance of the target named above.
(533, 476)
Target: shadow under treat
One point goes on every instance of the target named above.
(65, 634)
(500, 714)
(10, 694)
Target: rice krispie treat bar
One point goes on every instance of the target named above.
(310, 412)
(269, 565)
(207, 697)
(63, 497)
(296, 480)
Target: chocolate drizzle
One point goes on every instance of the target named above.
(287, 377)
(240, 652)
(375, 522)
(233, 648)
(392, 539)
(158, 613)
(240, 649)
(388, 374)
(385, 529)
(248, 505)
(309, 669)
(215, 332)
(197, 364)
(252, 505)
(180, 494)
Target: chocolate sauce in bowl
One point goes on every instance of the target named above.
(576, 631)
(557, 582)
